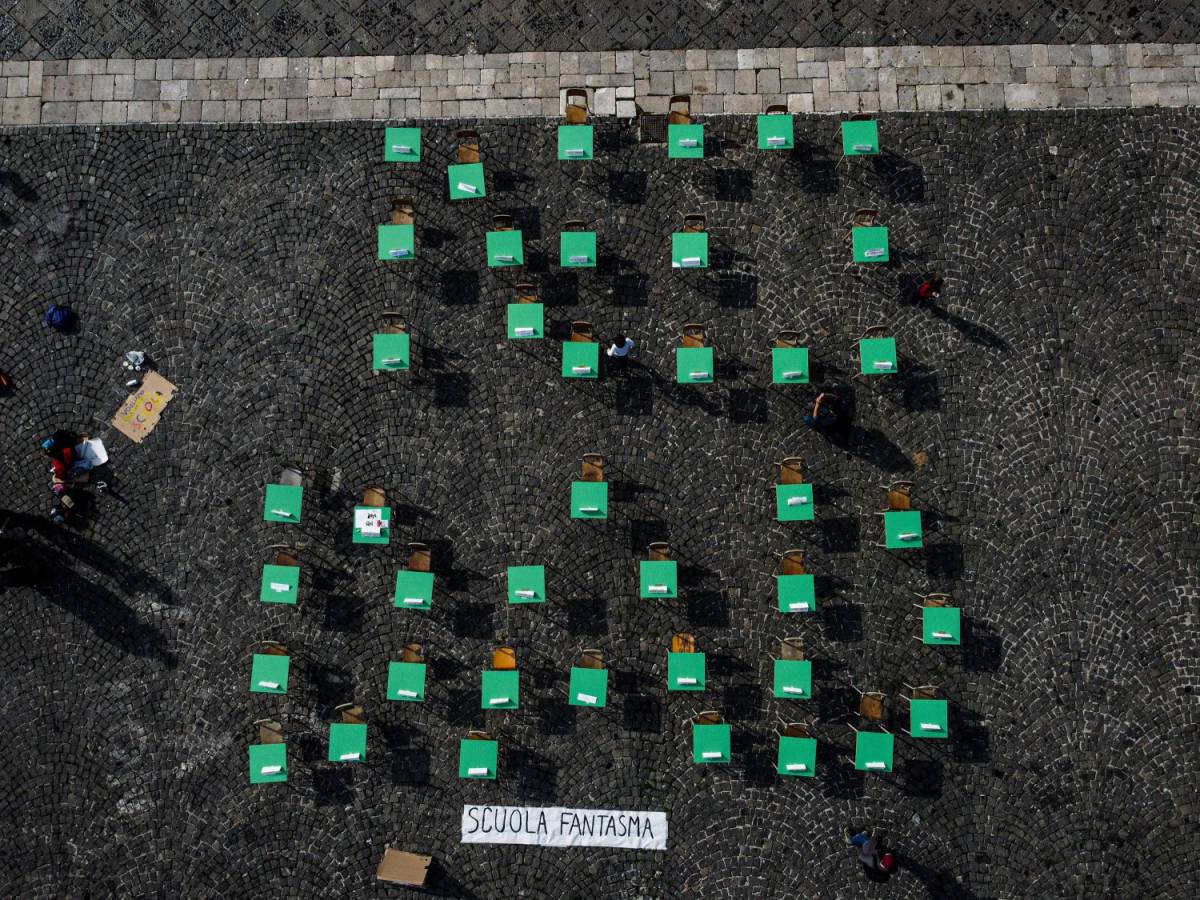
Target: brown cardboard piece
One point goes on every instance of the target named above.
(140, 412)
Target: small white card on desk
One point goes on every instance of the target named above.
(776, 141)
(874, 252)
(686, 681)
(580, 370)
(368, 518)
(589, 509)
(497, 701)
(273, 685)
(657, 589)
(796, 767)
(690, 262)
(393, 361)
(401, 148)
(523, 332)
(864, 148)
(585, 698)
(697, 375)
(688, 142)
(797, 501)
(271, 770)
(801, 605)
(876, 765)
(942, 634)
(525, 593)
(402, 692)
(281, 512)
(578, 259)
(414, 601)
(280, 587)
(349, 756)
(930, 726)
(711, 754)
(466, 188)
(574, 152)
(907, 535)
(477, 771)
(882, 364)
(399, 252)
(793, 374)
(505, 257)
(792, 689)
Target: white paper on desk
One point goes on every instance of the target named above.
(368, 521)
(776, 141)
(523, 332)
(401, 148)
(525, 593)
(475, 771)
(280, 587)
(272, 685)
(688, 142)
(466, 188)
(580, 370)
(690, 262)
(697, 375)
(876, 765)
(414, 601)
(686, 681)
(930, 726)
(346, 756)
(578, 259)
(585, 698)
(864, 148)
(711, 754)
(797, 501)
(401, 692)
(800, 606)
(792, 689)
(942, 634)
(574, 152)
(399, 252)
(796, 767)
(873, 252)
(793, 374)
(271, 770)
(497, 701)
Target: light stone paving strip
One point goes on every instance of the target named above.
(427, 86)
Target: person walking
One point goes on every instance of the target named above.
(618, 352)
(868, 849)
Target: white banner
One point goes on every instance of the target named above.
(558, 826)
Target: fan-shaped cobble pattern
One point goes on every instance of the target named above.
(1045, 411)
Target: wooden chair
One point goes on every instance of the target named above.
(526, 292)
(683, 643)
(591, 659)
(659, 551)
(393, 322)
(402, 867)
(476, 734)
(502, 222)
(791, 562)
(870, 706)
(350, 714)
(582, 332)
(796, 730)
(269, 731)
(791, 470)
(576, 113)
(291, 476)
(374, 496)
(862, 218)
(412, 653)
(788, 339)
(679, 110)
(873, 331)
(933, 600)
(285, 555)
(695, 223)
(592, 468)
(468, 146)
(574, 225)
(777, 109)
(898, 496)
(922, 692)
(271, 648)
(693, 335)
(402, 211)
(504, 658)
(419, 558)
(791, 648)
(708, 717)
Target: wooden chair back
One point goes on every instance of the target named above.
(708, 717)
(695, 222)
(574, 225)
(526, 292)
(923, 692)
(863, 218)
(468, 146)
(693, 335)
(502, 222)
(582, 332)
(777, 109)
(476, 735)
(899, 495)
(788, 338)
(504, 658)
(591, 659)
(876, 331)
(796, 730)
(592, 468)
(679, 110)
(270, 731)
(402, 867)
(374, 496)
(936, 600)
(683, 643)
(291, 475)
(659, 551)
(791, 648)
(272, 648)
(419, 558)
(791, 562)
(351, 714)
(412, 653)
(576, 113)
(870, 706)
(285, 555)
(402, 211)
(791, 470)
(393, 322)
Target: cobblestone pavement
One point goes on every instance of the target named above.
(1046, 412)
(61, 29)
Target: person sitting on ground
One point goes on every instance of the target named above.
(931, 287)
(60, 448)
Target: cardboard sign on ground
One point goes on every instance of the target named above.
(139, 414)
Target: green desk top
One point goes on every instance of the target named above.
(575, 142)
(941, 625)
(347, 743)
(789, 365)
(874, 352)
(860, 138)
(269, 673)
(871, 245)
(793, 679)
(797, 757)
(775, 132)
(577, 249)
(687, 247)
(526, 584)
(391, 352)
(581, 355)
(396, 242)
(469, 174)
(589, 687)
(711, 743)
(589, 499)
(797, 593)
(503, 685)
(406, 682)
(477, 759)
(402, 145)
(897, 526)
(926, 713)
(794, 502)
(385, 533)
(283, 503)
(414, 590)
(685, 141)
(507, 244)
(686, 666)
(655, 574)
(526, 321)
(280, 584)
(267, 757)
(872, 748)
(694, 365)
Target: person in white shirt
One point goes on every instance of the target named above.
(618, 352)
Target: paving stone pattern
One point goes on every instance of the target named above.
(621, 83)
(61, 29)
(1046, 412)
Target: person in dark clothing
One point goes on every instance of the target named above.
(826, 413)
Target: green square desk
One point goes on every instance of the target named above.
(414, 590)
(789, 365)
(283, 503)
(402, 145)
(877, 356)
(526, 584)
(871, 245)
(466, 181)
(589, 687)
(694, 365)
(577, 249)
(860, 138)
(391, 352)
(710, 743)
(268, 763)
(385, 531)
(406, 682)
(794, 502)
(797, 757)
(941, 625)
(580, 359)
(280, 584)
(589, 499)
(658, 579)
(929, 719)
(396, 242)
(477, 759)
(526, 321)
(501, 689)
(505, 248)
(873, 751)
(797, 593)
(685, 142)
(575, 142)
(685, 671)
(902, 530)
(689, 250)
(793, 679)
(776, 132)
(347, 742)
(269, 673)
